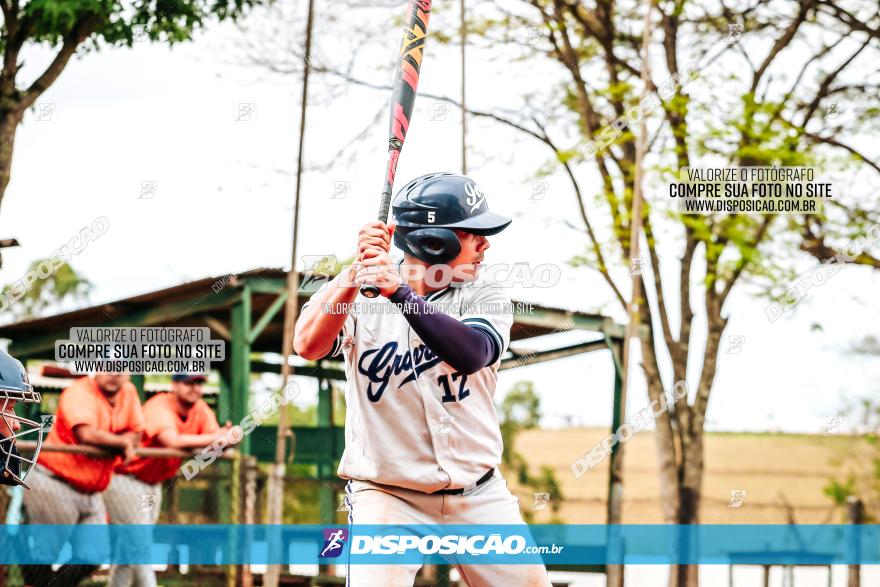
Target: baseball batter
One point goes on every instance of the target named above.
(423, 443)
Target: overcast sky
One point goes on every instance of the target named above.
(218, 142)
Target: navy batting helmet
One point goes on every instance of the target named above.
(430, 207)
(15, 387)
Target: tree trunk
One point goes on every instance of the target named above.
(690, 495)
(664, 439)
(692, 461)
(9, 121)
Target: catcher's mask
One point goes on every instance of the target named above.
(16, 389)
(428, 209)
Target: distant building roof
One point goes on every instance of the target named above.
(41, 382)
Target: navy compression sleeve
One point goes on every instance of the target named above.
(465, 348)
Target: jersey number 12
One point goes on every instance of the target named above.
(447, 391)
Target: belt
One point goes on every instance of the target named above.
(460, 490)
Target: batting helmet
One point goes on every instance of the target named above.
(15, 387)
(430, 207)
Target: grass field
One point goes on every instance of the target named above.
(772, 469)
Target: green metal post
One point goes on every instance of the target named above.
(235, 385)
(614, 512)
(240, 364)
(138, 380)
(443, 575)
(615, 474)
(326, 495)
(224, 407)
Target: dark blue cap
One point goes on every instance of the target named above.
(189, 377)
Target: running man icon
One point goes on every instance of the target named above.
(333, 543)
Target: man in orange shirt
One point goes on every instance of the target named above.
(103, 411)
(179, 419)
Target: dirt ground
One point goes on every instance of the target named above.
(772, 469)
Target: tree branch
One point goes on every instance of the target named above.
(671, 343)
(835, 143)
(744, 260)
(849, 19)
(814, 244)
(11, 50)
(783, 41)
(597, 249)
(797, 82)
(822, 92)
(715, 326)
(79, 33)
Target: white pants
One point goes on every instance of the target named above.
(52, 501)
(130, 501)
(490, 503)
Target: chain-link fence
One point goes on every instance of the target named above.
(224, 493)
(232, 490)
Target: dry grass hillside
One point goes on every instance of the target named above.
(773, 469)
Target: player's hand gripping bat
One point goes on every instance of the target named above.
(402, 99)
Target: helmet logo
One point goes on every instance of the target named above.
(475, 197)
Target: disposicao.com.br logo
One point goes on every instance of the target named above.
(476, 545)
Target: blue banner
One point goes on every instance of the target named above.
(458, 544)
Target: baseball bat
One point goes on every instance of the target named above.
(403, 97)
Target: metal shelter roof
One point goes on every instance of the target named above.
(206, 302)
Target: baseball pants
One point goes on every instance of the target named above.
(489, 503)
(131, 501)
(52, 501)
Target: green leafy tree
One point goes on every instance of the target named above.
(755, 107)
(547, 483)
(71, 26)
(64, 284)
(866, 489)
(521, 410)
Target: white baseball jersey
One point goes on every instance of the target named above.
(411, 419)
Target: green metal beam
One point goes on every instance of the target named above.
(265, 285)
(43, 347)
(616, 331)
(521, 360)
(335, 374)
(560, 320)
(549, 355)
(267, 317)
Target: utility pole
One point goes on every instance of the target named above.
(276, 478)
(615, 573)
(463, 27)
